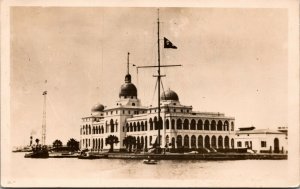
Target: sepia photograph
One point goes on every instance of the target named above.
(149, 93)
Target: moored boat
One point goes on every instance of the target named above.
(38, 153)
(88, 155)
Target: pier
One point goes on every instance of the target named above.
(178, 156)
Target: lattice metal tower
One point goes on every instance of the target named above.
(44, 120)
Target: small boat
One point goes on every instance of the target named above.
(150, 161)
(92, 156)
(38, 153)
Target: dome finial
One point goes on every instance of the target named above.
(128, 63)
(128, 76)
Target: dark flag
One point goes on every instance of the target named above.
(45, 92)
(168, 44)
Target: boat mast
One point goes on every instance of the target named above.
(158, 77)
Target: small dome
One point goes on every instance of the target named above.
(169, 95)
(128, 89)
(97, 108)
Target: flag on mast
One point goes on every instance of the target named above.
(169, 44)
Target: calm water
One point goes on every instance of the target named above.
(101, 172)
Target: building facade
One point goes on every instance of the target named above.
(181, 127)
(261, 140)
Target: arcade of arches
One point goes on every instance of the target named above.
(181, 141)
(179, 124)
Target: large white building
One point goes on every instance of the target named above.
(181, 126)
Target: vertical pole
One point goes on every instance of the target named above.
(44, 121)
(158, 78)
(128, 63)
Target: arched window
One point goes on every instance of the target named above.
(206, 125)
(131, 127)
(160, 123)
(146, 127)
(142, 126)
(193, 124)
(167, 141)
(179, 124)
(232, 126)
(116, 124)
(186, 124)
(226, 141)
(220, 142)
(226, 126)
(127, 127)
(186, 141)
(112, 126)
(134, 126)
(138, 126)
(146, 142)
(138, 143)
(207, 142)
(173, 142)
(213, 141)
(101, 143)
(193, 141)
(93, 143)
(151, 124)
(232, 143)
(179, 141)
(80, 131)
(102, 129)
(155, 123)
(219, 126)
(213, 125)
(90, 130)
(200, 125)
(173, 124)
(142, 142)
(200, 141)
(167, 124)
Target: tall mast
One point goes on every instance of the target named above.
(158, 77)
(160, 123)
(44, 118)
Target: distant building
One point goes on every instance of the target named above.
(261, 140)
(181, 126)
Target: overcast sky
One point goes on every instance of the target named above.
(234, 61)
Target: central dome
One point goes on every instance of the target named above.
(128, 89)
(169, 95)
